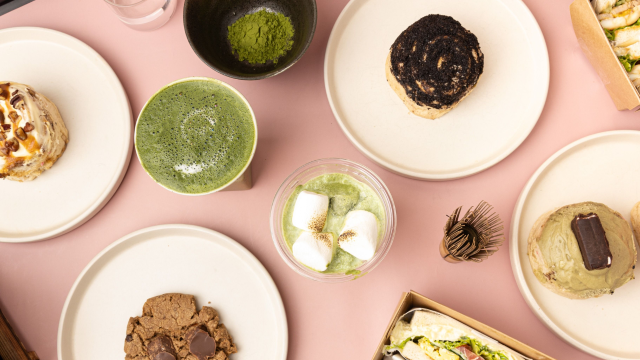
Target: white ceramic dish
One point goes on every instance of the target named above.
(485, 128)
(172, 258)
(603, 168)
(96, 111)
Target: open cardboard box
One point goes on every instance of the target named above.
(596, 47)
(412, 300)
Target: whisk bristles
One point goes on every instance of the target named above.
(474, 237)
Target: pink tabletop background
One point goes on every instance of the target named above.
(296, 125)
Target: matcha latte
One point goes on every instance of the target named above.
(345, 194)
(196, 136)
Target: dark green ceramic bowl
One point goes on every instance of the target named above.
(206, 23)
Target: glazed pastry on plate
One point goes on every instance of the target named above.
(32, 136)
(635, 220)
(433, 65)
(582, 250)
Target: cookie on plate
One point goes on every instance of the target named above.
(171, 328)
(602, 260)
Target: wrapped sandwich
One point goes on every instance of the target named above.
(430, 335)
(620, 20)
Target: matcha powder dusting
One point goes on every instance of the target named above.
(261, 37)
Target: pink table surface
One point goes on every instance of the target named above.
(296, 125)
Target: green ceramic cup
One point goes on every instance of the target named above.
(196, 136)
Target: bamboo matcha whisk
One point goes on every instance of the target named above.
(474, 237)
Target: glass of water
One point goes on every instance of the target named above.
(143, 15)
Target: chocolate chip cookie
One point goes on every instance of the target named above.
(171, 328)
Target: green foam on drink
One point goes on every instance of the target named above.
(195, 136)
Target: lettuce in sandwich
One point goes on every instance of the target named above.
(433, 336)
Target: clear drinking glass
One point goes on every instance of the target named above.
(143, 15)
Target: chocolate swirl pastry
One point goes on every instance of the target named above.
(32, 133)
(433, 65)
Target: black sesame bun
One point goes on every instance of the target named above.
(433, 65)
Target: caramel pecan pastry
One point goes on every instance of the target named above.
(32, 133)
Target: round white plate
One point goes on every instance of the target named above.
(164, 259)
(603, 168)
(486, 127)
(96, 111)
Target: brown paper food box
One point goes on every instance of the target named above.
(596, 47)
(412, 300)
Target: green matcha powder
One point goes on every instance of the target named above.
(260, 37)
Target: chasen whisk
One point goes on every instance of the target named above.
(474, 237)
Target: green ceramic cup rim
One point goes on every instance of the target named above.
(218, 82)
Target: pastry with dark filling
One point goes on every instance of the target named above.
(433, 65)
(582, 250)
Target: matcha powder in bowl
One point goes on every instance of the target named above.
(260, 37)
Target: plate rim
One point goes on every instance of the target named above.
(516, 265)
(269, 284)
(399, 170)
(80, 47)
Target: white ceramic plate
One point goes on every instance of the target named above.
(96, 111)
(603, 168)
(486, 127)
(172, 258)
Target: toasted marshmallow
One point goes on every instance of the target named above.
(359, 236)
(314, 249)
(310, 211)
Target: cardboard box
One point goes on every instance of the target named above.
(412, 300)
(598, 50)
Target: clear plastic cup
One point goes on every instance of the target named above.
(143, 15)
(331, 166)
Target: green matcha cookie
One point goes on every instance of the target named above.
(556, 259)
